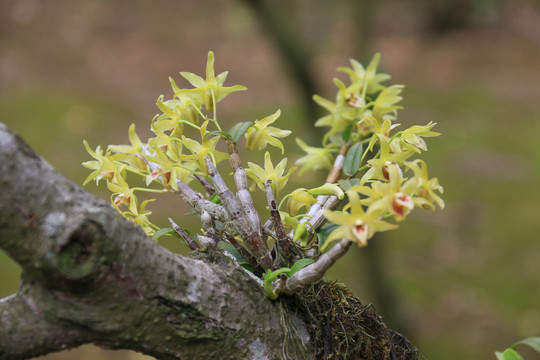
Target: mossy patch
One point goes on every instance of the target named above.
(343, 328)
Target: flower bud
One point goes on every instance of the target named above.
(328, 189)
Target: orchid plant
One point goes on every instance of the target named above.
(375, 178)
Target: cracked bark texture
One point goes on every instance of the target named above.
(90, 276)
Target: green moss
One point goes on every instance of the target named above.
(71, 263)
(343, 328)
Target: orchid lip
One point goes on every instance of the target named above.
(360, 231)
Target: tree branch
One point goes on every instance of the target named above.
(90, 276)
(94, 277)
(28, 330)
(314, 271)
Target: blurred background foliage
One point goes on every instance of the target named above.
(460, 283)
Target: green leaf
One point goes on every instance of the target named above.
(299, 265)
(247, 266)
(233, 251)
(163, 231)
(268, 278)
(223, 134)
(215, 198)
(352, 159)
(347, 184)
(336, 139)
(324, 231)
(533, 342)
(511, 354)
(271, 275)
(239, 129)
(346, 135)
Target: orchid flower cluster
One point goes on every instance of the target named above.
(305, 233)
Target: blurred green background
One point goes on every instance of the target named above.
(460, 283)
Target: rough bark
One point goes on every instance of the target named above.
(90, 276)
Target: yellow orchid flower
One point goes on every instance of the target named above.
(298, 199)
(206, 90)
(315, 158)
(387, 100)
(426, 196)
(260, 134)
(347, 107)
(368, 76)
(169, 119)
(396, 194)
(411, 139)
(103, 165)
(170, 145)
(385, 128)
(207, 148)
(289, 221)
(358, 226)
(260, 175)
(389, 153)
(130, 154)
(122, 194)
(189, 108)
(140, 217)
(168, 172)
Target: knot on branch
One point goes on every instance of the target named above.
(73, 259)
(77, 257)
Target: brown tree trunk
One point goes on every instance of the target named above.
(90, 276)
